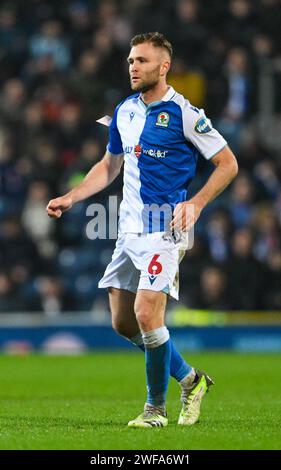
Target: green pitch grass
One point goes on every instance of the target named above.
(85, 402)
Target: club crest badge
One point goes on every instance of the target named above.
(163, 119)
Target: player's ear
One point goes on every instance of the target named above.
(165, 67)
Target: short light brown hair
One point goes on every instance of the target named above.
(155, 38)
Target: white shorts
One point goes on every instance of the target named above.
(144, 261)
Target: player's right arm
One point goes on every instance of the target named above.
(98, 178)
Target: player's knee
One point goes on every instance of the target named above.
(144, 319)
(149, 311)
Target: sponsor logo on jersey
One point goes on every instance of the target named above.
(155, 153)
(131, 115)
(163, 119)
(203, 126)
(154, 268)
(137, 150)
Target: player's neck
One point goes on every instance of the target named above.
(156, 94)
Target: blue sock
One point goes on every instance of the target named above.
(178, 367)
(158, 358)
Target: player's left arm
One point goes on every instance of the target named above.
(188, 212)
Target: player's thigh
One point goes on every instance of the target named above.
(121, 303)
(150, 307)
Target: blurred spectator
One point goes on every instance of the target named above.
(246, 275)
(13, 44)
(189, 35)
(80, 26)
(12, 100)
(267, 232)
(17, 247)
(87, 85)
(117, 24)
(266, 174)
(50, 43)
(39, 227)
(12, 184)
(69, 133)
(213, 290)
(218, 232)
(241, 200)
(262, 46)
(53, 297)
(9, 302)
(45, 164)
(32, 127)
(236, 96)
(240, 24)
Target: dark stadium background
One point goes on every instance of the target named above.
(62, 66)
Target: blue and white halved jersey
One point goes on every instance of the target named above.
(161, 143)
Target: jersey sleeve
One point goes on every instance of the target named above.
(198, 130)
(114, 146)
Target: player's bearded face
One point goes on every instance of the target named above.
(146, 80)
(144, 67)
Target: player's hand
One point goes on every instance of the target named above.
(57, 206)
(185, 215)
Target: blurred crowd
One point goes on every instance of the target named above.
(62, 66)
